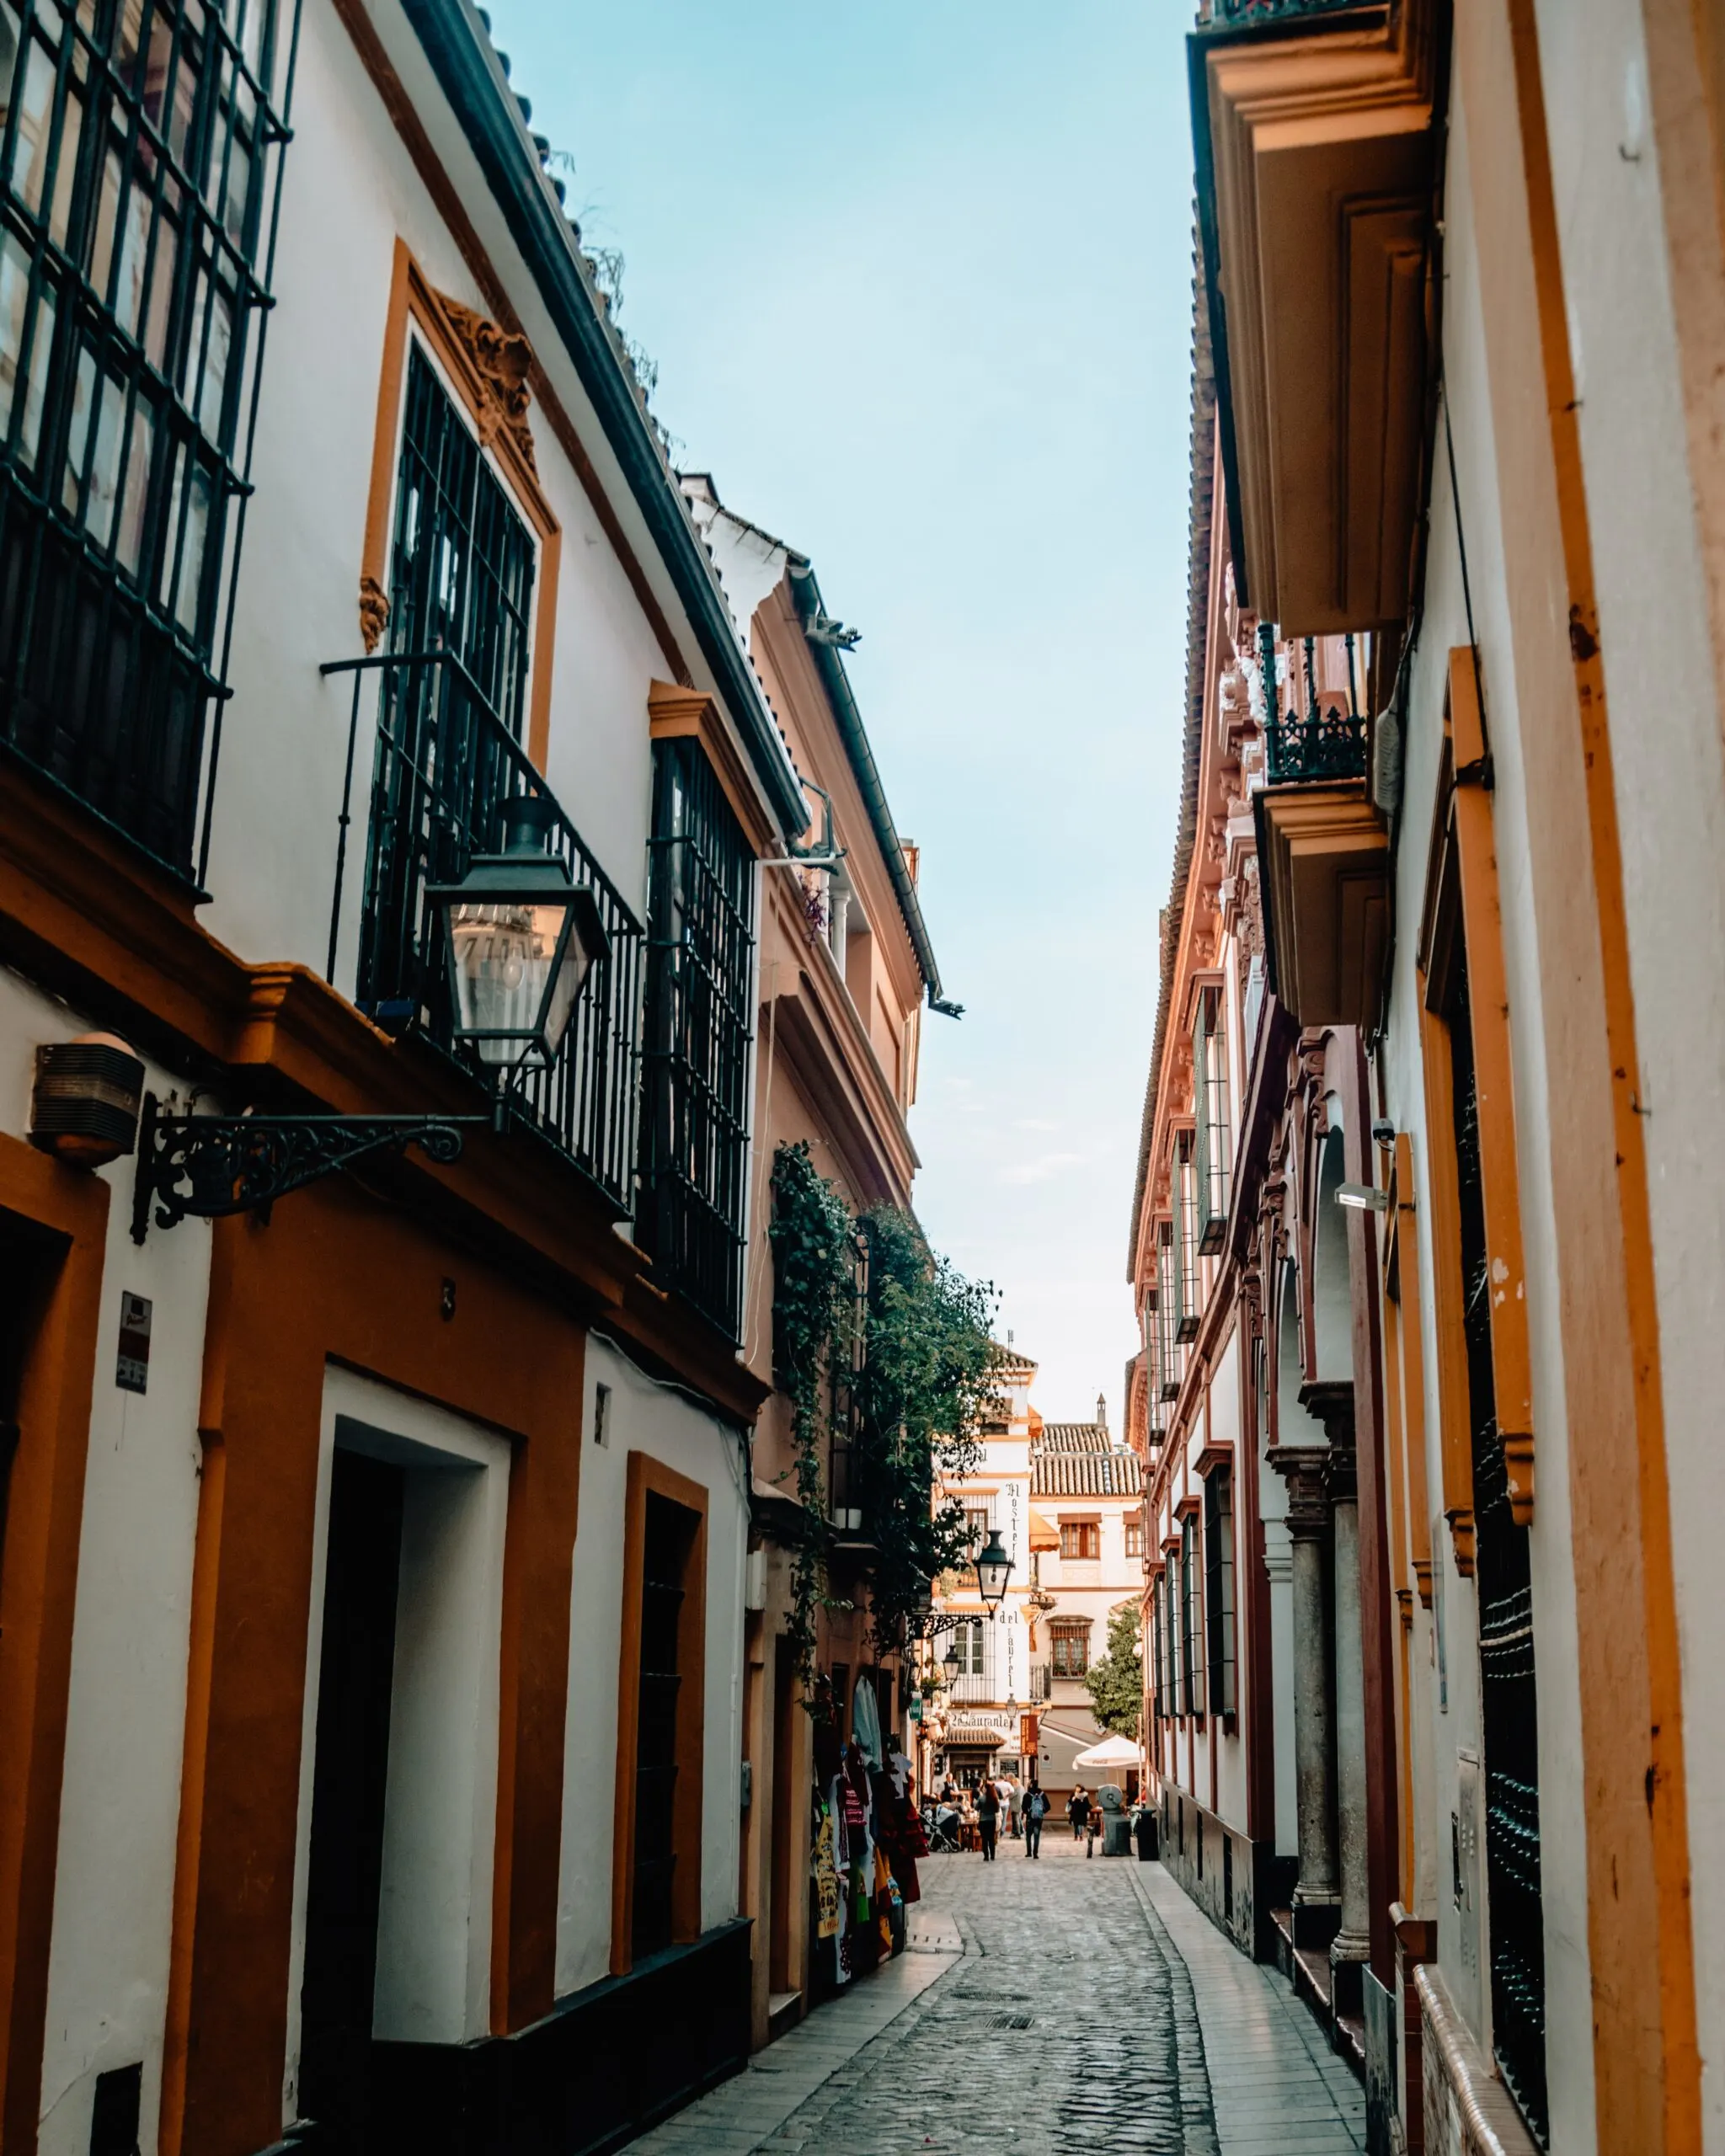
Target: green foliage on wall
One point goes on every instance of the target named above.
(914, 1365)
(1116, 1681)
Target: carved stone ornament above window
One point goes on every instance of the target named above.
(503, 360)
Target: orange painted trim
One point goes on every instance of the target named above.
(1489, 1015)
(1446, 1206)
(335, 1277)
(446, 200)
(1655, 2075)
(414, 305)
(650, 1477)
(39, 1592)
(690, 714)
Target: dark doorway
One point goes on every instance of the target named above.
(669, 1534)
(787, 1873)
(349, 1779)
(29, 1266)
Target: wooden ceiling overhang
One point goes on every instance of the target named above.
(1317, 158)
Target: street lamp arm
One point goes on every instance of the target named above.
(207, 1166)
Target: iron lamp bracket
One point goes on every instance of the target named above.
(208, 1166)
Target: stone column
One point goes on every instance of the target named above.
(1308, 1529)
(1333, 1403)
(1352, 1943)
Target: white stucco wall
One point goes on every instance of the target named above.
(649, 1418)
(1670, 771)
(120, 1801)
(351, 190)
(1455, 1729)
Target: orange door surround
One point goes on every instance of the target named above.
(334, 1277)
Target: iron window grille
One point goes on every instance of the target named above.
(1167, 1291)
(843, 1491)
(140, 174)
(1319, 738)
(700, 946)
(1191, 1619)
(1186, 1306)
(1219, 1587)
(978, 1521)
(462, 557)
(1209, 1070)
(1069, 1646)
(1250, 13)
(1158, 1691)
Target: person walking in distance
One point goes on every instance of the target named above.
(1035, 1812)
(988, 1817)
(1015, 1804)
(1078, 1811)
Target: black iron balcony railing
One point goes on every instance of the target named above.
(1317, 736)
(1247, 12)
(444, 770)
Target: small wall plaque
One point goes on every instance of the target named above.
(132, 1371)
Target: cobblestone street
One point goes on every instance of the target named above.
(1093, 2010)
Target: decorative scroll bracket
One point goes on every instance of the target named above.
(210, 1165)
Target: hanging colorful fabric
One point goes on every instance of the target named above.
(826, 1877)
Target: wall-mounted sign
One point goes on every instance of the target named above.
(131, 1372)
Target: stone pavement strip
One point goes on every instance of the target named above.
(1093, 2012)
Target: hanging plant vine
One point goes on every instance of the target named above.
(930, 1373)
(927, 1371)
(813, 1238)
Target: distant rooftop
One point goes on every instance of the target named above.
(1110, 1473)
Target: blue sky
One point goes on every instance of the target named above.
(916, 276)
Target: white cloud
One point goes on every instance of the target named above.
(1035, 1123)
(1043, 1169)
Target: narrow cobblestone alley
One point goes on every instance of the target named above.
(1078, 2019)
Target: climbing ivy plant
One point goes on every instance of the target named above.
(928, 1378)
(813, 1250)
(927, 1371)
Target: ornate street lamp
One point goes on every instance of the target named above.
(994, 1568)
(950, 1661)
(521, 938)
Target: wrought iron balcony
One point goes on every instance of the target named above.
(1246, 13)
(1319, 738)
(444, 769)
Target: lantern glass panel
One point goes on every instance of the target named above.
(502, 957)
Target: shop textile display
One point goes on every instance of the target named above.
(867, 1838)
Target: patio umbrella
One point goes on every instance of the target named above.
(1112, 1751)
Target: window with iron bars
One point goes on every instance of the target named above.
(1069, 1646)
(1219, 1587)
(1168, 1354)
(700, 959)
(461, 562)
(1186, 1238)
(1191, 1619)
(978, 1519)
(1158, 1689)
(452, 696)
(136, 201)
(849, 1356)
(1210, 1078)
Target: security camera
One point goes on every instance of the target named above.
(1384, 1131)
